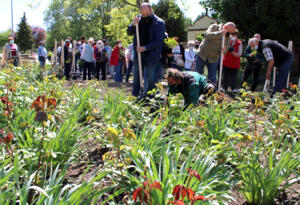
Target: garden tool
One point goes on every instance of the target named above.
(221, 64)
(139, 57)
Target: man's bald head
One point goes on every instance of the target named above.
(258, 36)
(230, 27)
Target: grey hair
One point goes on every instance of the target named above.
(100, 42)
(174, 73)
(252, 40)
(146, 4)
(191, 42)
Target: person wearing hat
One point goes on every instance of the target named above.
(42, 53)
(87, 56)
(190, 84)
(10, 52)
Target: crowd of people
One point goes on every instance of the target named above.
(155, 56)
(95, 57)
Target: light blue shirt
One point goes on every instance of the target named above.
(87, 53)
(42, 51)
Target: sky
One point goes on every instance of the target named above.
(35, 16)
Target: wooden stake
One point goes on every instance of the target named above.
(73, 56)
(54, 57)
(290, 47)
(221, 64)
(274, 76)
(139, 55)
(62, 58)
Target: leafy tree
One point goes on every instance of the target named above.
(3, 38)
(24, 35)
(77, 18)
(39, 34)
(120, 20)
(174, 18)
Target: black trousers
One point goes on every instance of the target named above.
(67, 70)
(87, 67)
(101, 66)
(255, 68)
(230, 77)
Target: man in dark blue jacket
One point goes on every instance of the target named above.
(152, 32)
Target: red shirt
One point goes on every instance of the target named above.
(230, 60)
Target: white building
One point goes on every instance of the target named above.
(199, 27)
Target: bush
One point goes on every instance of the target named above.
(3, 38)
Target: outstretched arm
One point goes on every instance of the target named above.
(212, 32)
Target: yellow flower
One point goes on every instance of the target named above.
(258, 102)
(278, 122)
(113, 133)
(200, 123)
(258, 137)
(294, 87)
(129, 133)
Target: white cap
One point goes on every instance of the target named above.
(91, 39)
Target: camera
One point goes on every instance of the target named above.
(231, 49)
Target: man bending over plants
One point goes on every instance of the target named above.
(190, 84)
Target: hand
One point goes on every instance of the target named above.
(224, 32)
(166, 101)
(141, 49)
(136, 20)
(224, 51)
(256, 61)
(231, 49)
(268, 75)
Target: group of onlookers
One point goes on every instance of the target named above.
(209, 52)
(95, 57)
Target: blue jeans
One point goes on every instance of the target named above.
(282, 75)
(159, 72)
(129, 69)
(149, 72)
(42, 63)
(211, 68)
(119, 75)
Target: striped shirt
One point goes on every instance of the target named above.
(268, 54)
